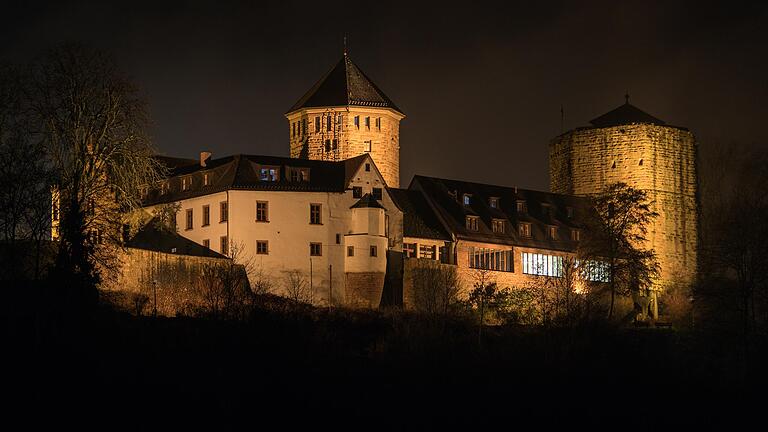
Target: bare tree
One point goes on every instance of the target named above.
(92, 122)
(435, 287)
(296, 286)
(616, 234)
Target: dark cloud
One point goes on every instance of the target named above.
(482, 84)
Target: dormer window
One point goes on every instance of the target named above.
(569, 212)
(467, 199)
(186, 183)
(522, 207)
(575, 235)
(163, 188)
(493, 202)
(299, 175)
(552, 232)
(546, 209)
(472, 223)
(524, 229)
(271, 174)
(499, 226)
(205, 179)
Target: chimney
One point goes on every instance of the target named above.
(205, 156)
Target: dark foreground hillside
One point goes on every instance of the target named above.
(287, 366)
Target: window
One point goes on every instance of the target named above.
(317, 124)
(262, 247)
(205, 179)
(491, 259)
(327, 145)
(569, 212)
(376, 193)
(335, 144)
(546, 210)
(315, 214)
(299, 174)
(293, 130)
(493, 202)
(338, 238)
(368, 145)
(467, 199)
(303, 127)
(328, 123)
(524, 229)
(367, 167)
(378, 124)
(368, 123)
(575, 235)
(472, 223)
(427, 252)
(350, 251)
(357, 192)
(595, 271)
(443, 253)
(357, 122)
(224, 245)
(262, 211)
(374, 251)
(316, 249)
(207, 243)
(189, 219)
(270, 174)
(522, 207)
(542, 265)
(223, 211)
(552, 232)
(206, 215)
(498, 226)
(186, 182)
(409, 250)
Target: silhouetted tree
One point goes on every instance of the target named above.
(435, 287)
(616, 233)
(92, 122)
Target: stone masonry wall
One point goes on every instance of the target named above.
(658, 159)
(364, 289)
(310, 143)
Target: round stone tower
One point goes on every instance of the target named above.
(345, 115)
(631, 146)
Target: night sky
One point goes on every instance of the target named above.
(481, 84)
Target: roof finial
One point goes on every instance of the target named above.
(345, 44)
(626, 97)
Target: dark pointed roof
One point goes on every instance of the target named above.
(367, 201)
(625, 114)
(344, 85)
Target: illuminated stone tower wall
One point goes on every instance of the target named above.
(338, 133)
(657, 158)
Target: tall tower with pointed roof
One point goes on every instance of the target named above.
(634, 147)
(345, 115)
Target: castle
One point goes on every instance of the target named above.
(334, 211)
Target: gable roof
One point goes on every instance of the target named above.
(419, 221)
(242, 172)
(544, 209)
(345, 84)
(367, 201)
(153, 238)
(624, 115)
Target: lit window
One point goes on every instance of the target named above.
(467, 199)
(271, 174)
(491, 259)
(316, 249)
(224, 245)
(262, 247)
(498, 226)
(205, 179)
(575, 235)
(186, 183)
(409, 250)
(374, 251)
(427, 252)
(189, 219)
(368, 145)
(522, 207)
(493, 202)
(262, 211)
(350, 251)
(525, 230)
(472, 223)
(206, 215)
(552, 232)
(542, 265)
(223, 211)
(357, 192)
(315, 214)
(376, 193)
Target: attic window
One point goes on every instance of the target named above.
(299, 174)
(472, 223)
(205, 179)
(467, 199)
(552, 232)
(524, 229)
(575, 235)
(522, 207)
(269, 173)
(367, 167)
(498, 226)
(569, 212)
(493, 202)
(186, 183)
